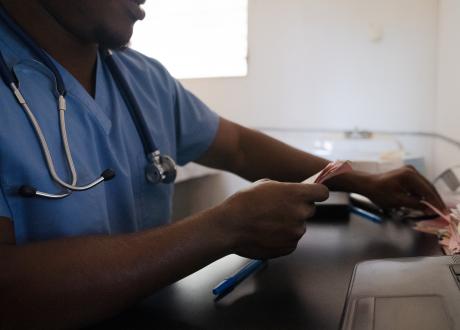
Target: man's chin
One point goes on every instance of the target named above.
(114, 46)
(114, 40)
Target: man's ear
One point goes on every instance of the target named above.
(7, 232)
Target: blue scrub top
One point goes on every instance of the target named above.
(102, 135)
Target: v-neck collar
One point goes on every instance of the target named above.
(102, 86)
(76, 90)
(74, 87)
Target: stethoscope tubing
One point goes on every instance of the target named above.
(160, 168)
(43, 143)
(45, 148)
(11, 81)
(131, 102)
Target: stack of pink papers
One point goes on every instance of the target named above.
(446, 227)
(330, 171)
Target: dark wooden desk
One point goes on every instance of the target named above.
(305, 290)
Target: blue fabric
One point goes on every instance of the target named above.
(102, 135)
(4, 209)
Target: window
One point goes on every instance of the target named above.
(195, 38)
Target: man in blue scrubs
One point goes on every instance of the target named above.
(71, 262)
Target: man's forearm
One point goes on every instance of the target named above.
(265, 157)
(259, 156)
(73, 282)
(286, 163)
(254, 155)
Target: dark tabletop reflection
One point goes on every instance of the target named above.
(305, 290)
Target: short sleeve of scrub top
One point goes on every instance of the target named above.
(196, 125)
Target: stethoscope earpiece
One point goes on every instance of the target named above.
(108, 174)
(27, 191)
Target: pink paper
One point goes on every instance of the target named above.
(446, 227)
(330, 171)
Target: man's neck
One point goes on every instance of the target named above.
(78, 57)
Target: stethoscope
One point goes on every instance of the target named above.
(160, 168)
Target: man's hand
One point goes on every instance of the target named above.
(402, 187)
(268, 219)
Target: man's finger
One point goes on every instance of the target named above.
(411, 202)
(418, 186)
(313, 192)
(262, 181)
(433, 189)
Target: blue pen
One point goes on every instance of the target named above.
(231, 282)
(365, 214)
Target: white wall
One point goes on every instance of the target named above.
(312, 64)
(448, 100)
(316, 67)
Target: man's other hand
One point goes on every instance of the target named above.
(404, 187)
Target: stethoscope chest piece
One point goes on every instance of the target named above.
(161, 169)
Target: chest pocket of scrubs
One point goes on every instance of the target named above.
(22, 163)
